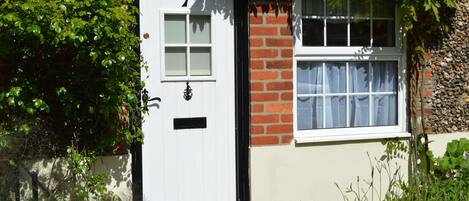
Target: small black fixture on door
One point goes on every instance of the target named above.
(146, 99)
(184, 4)
(188, 92)
(190, 123)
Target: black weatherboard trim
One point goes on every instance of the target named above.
(136, 147)
(242, 99)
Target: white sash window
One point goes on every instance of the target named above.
(349, 75)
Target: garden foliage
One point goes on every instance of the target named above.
(448, 179)
(69, 85)
(71, 70)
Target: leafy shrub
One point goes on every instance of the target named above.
(69, 76)
(454, 164)
(448, 179)
(70, 66)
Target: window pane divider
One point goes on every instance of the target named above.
(323, 95)
(348, 25)
(199, 45)
(175, 45)
(345, 94)
(188, 49)
(347, 99)
(325, 36)
(312, 17)
(187, 45)
(370, 91)
(371, 27)
(345, 17)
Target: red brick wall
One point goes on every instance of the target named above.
(427, 93)
(271, 65)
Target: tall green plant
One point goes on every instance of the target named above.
(72, 69)
(69, 76)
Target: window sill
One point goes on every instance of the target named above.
(354, 137)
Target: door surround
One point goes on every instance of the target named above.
(242, 109)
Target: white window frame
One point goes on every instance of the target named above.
(350, 54)
(188, 45)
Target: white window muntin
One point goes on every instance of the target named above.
(187, 45)
(354, 133)
(301, 50)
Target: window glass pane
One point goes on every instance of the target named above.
(335, 77)
(313, 7)
(175, 61)
(360, 8)
(175, 28)
(310, 113)
(313, 32)
(384, 110)
(384, 76)
(336, 32)
(309, 77)
(384, 8)
(359, 77)
(335, 112)
(200, 61)
(200, 29)
(336, 7)
(359, 111)
(360, 33)
(383, 33)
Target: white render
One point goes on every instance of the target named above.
(307, 172)
(51, 171)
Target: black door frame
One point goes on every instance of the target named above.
(243, 190)
(242, 109)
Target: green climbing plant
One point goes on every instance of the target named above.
(71, 66)
(70, 75)
(424, 23)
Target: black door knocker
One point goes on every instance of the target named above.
(188, 92)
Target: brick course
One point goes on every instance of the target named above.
(271, 72)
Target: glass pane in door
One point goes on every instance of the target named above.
(175, 29)
(175, 61)
(199, 29)
(201, 61)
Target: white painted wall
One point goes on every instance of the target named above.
(307, 172)
(304, 172)
(118, 168)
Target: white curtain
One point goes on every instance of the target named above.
(309, 81)
(335, 82)
(384, 106)
(359, 105)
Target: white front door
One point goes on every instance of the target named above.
(189, 142)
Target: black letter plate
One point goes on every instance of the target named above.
(190, 123)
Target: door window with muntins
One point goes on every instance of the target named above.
(187, 45)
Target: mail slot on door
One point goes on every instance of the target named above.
(190, 123)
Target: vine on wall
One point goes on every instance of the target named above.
(425, 23)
